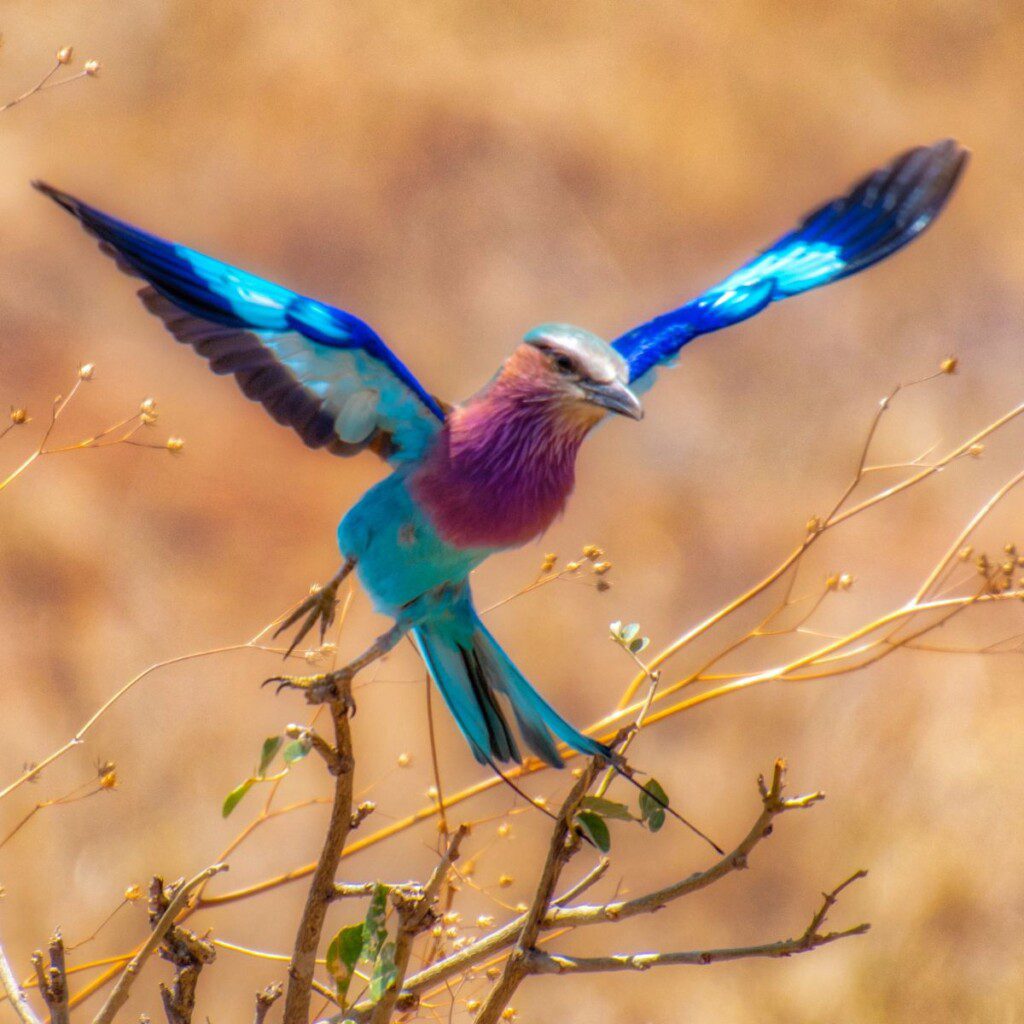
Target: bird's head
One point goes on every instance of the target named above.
(576, 370)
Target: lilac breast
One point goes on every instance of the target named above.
(497, 476)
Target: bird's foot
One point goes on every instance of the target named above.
(326, 688)
(319, 606)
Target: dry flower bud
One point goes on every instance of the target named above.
(549, 562)
(64, 54)
(492, 973)
(175, 444)
(571, 566)
(505, 881)
(437, 931)
(108, 780)
(327, 648)
(91, 68)
(593, 552)
(472, 1005)
(965, 553)
(452, 933)
(832, 583)
(133, 893)
(19, 416)
(949, 364)
(87, 371)
(310, 656)
(814, 525)
(520, 908)
(404, 760)
(845, 581)
(602, 567)
(541, 801)
(452, 917)
(484, 921)
(509, 1013)
(975, 450)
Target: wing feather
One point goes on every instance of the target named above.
(879, 215)
(317, 369)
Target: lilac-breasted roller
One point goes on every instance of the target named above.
(493, 472)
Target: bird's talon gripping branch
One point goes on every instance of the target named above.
(319, 606)
(326, 688)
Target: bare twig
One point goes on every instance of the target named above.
(265, 1000)
(415, 915)
(540, 962)
(119, 995)
(14, 993)
(564, 842)
(53, 980)
(321, 889)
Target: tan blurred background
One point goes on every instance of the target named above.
(456, 172)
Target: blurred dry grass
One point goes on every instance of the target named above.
(455, 173)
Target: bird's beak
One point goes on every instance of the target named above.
(617, 398)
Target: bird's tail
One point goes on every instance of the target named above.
(472, 671)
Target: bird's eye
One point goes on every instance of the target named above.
(564, 363)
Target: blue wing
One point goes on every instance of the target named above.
(315, 368)
(879, 215)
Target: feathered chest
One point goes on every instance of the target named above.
(499, 473)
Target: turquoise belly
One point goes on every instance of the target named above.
(398, 554)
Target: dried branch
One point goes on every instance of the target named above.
(14, 993)
(186, 951)
(119, 995)
(322, 890)
(564, 842)
(416, 914)
(558, 916)
(53, 980)
(540, 962)
(266, 999)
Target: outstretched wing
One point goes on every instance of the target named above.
(879, 215)
(317, 369)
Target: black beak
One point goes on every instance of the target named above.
(617, 398)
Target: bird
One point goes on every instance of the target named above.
(492, 472)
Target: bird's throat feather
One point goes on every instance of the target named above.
(501, 470)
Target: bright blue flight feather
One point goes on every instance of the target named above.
(879, 215)
(319, 369)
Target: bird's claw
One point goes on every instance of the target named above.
(326, 688)
(320, 605)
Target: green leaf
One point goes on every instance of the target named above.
(606, 808)
(296, 751)
(629, 632)
(342, 956)
(653, 801)
(594, 826)
(615, 628)
(271, 745)
(375, 929)
(384, 971)
(638, 644)
(232, 800)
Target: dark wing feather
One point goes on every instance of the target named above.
(878, 216)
